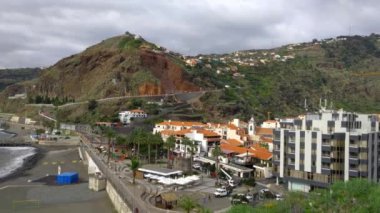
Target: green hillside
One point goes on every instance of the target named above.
(275, 82)
(345, 71)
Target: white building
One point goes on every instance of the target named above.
(322, 148)
(125, 116)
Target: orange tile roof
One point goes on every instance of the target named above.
(263, 131)
(207, 133)
(167, 132)
(232, 126)
(232, 142)
(266, 139)
(255, 151)
(181, 123)
(183, 131)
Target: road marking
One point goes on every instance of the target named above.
(45, 163)
(53, 163)
(74, 161)
(15, 186)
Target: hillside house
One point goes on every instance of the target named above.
(176, 126)
(127, 116)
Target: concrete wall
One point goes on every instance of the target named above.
(117, 201)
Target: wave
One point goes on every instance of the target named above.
(13, 158)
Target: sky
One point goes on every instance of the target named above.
(38, 33)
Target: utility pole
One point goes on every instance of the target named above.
(268, 114)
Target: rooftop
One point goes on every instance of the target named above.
(159, 170)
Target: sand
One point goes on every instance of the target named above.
(33, 189)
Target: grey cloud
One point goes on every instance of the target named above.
(40, 32)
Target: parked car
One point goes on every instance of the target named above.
(279, 197)
(197, 166)
(249, 197)
(221, 192)
(239, 199)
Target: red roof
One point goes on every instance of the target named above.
(181, 123)
(263, 131)
(255, 151)
(232, 142)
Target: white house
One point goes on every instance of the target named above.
(125, 116)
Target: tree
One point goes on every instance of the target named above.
(187, 204)
(92, 105)
(135, 164)
(157, 142)
(169, 145)
(110, 134)
(186, 142)
(192, 149)
(216, 152)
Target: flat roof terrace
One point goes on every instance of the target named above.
(160, 171)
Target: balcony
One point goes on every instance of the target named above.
(353, 173)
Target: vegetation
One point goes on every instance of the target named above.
(135, 164)
(170, 145)
(13, 76)
(282, 87)
(216, 152)
(187, 204)
(92, 105)
(241, 208)
(56, 101)
(356, 195)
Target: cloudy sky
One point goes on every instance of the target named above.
(40, 32)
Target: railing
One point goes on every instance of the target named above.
(127, 193)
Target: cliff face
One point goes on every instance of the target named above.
(112, 68)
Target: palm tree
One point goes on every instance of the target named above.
(169, 145)
(192, 148)
(216, 152)
(121, 140)
(157, 142)
(135, 164)
(186, 142)
(110, 134)
(149, 140)
(187, 204)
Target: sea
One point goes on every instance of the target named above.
(12, 158)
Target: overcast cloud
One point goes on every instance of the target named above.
(40, 32)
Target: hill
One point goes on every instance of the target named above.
(273, 82)
(13, 76)
(343, 70)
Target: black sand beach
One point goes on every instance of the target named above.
(32, 188)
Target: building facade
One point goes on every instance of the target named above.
(321, 148)
(126, 116)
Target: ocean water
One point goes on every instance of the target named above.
(12, 158)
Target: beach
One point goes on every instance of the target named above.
(32, 187)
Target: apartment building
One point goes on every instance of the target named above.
(318, 149)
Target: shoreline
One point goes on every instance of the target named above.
(28, 163)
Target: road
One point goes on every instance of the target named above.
(200, 93)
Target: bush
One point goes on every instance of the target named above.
(250, 182)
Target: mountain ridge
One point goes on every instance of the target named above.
(254, 82)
